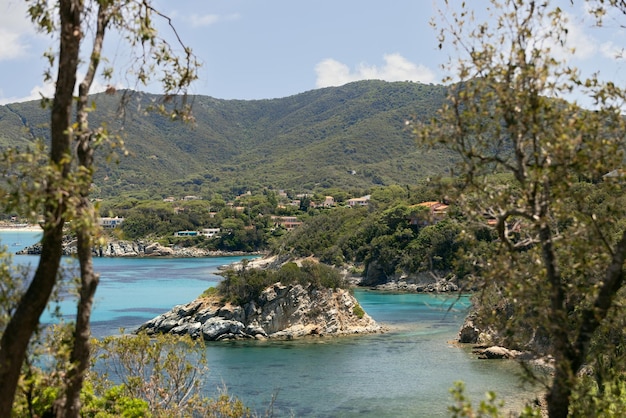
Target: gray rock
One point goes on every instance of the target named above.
(280, 312)
(205, 314)
(468, 334)
(216, 327)
(496, 352)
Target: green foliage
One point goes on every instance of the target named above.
(132, 376)
(383, 236)
(554, 284)
(246, 284)
(211, 291)
(436, 248)
(114, 403)
(358, 311)
(160, 375)
(489, 407)
(42, 375)
(383, 197)
(162, 220)
(37, 392)
(605, 400)
(325, 234)
(55, 184)
(226, 406)
(463, 407)
(247, 145)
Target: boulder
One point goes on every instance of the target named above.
(469, 333)
(216, 327)
(157, 249)
(497, 352)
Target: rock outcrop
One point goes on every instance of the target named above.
(122, 248)
(497, 352)
(472, 333)
(489, 344)
(429, 282)
(282, 312)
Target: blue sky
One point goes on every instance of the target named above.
(254, 49)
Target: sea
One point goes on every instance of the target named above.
(405, 372)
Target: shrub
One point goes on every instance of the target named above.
(244, 285)
(358, 311)
(211, 291)
(158, 376)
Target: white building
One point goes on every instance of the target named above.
(110, 223)
(210, 232)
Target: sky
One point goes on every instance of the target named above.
(264, 49)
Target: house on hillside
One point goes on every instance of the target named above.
(428, 213)
(210, 232)
(186, 234)
(359, 201)
(110, 223)
(328, 202)
(287, 222)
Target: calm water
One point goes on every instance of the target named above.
(406, 372)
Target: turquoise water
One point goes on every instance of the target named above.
(405, 372)
(131, 290)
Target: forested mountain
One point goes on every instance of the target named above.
(350, 137)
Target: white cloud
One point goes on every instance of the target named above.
(332, 73)
(198, 21)
(612, 51)
(12, 46)
(14, 28)
(204, 20)
(396, 68)
(47, 90)
(584, 45)
(578, 44)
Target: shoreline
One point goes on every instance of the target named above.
(20, 228)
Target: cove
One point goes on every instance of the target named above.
(406, 372)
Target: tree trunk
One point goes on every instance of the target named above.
(558, 397)
(86, 218)
(80, 352)
(24, 321)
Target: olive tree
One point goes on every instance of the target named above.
(61, 190)
(560, 261)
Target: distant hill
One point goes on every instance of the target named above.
(351, 137)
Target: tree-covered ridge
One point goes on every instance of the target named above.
(393, 236)
(353, 136)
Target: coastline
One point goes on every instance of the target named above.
(20, 227)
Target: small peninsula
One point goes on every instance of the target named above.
(296, 300)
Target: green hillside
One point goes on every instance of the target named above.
(351, 137)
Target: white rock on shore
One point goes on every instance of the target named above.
(122, 248)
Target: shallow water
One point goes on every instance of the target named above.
(406, 372)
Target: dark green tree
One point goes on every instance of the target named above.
(60, 190)
(560, 265)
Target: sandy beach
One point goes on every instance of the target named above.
(5, 227)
